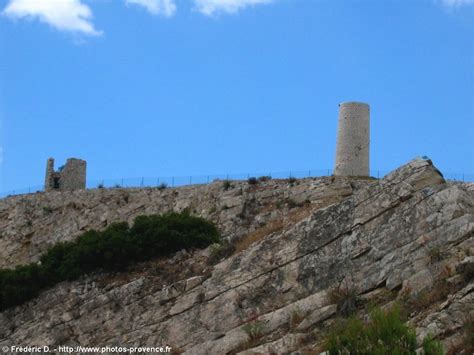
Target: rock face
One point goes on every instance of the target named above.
(402, 237)
(30, 224)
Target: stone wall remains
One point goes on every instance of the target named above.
(71, 177)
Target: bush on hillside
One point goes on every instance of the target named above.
(112, 249)
(385, 333)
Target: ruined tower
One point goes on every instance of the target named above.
(71, 176)
(353, 140)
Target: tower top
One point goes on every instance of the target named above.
(354, 103)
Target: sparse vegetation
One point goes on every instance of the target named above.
(439, 291)
(220, 251)
(432, 346)
(466, 270)
(252, 181)
(162, 186)
(292, 203)
(254, 329)
(384, 333)
(269, 228)
(468, 339)
(113, 249)
(435, 255)
(296, 318)
(291, 180)
(346, 299)
(264, 178)
(47, 209)
(226, 185)
(100, 186)
(467, 344)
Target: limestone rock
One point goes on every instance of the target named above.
(391, 238)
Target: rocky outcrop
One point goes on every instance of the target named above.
(407, 235)
(30, 224)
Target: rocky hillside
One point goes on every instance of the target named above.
(407, 237)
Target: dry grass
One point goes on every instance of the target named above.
(467, 344)
(273, 226)
(259, 234)
(438, 292)
(295, 319)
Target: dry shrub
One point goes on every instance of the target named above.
(346, 299)
(296, 318)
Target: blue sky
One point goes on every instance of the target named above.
(179, 87)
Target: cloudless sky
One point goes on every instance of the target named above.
(252, 91)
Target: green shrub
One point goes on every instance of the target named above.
(253, 329)
(252, 181)
(385, 333)
(432, 347)
(226, 185)
(112, 249)
(162, 186)
(20, 284)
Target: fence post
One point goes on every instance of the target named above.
(172, 181)
(208, 179)
(190, 179)
(142, 181)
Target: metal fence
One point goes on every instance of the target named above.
(175, 181)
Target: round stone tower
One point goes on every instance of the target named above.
(353, 140)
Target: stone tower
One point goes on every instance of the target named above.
(72, 176)
(353, 140)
